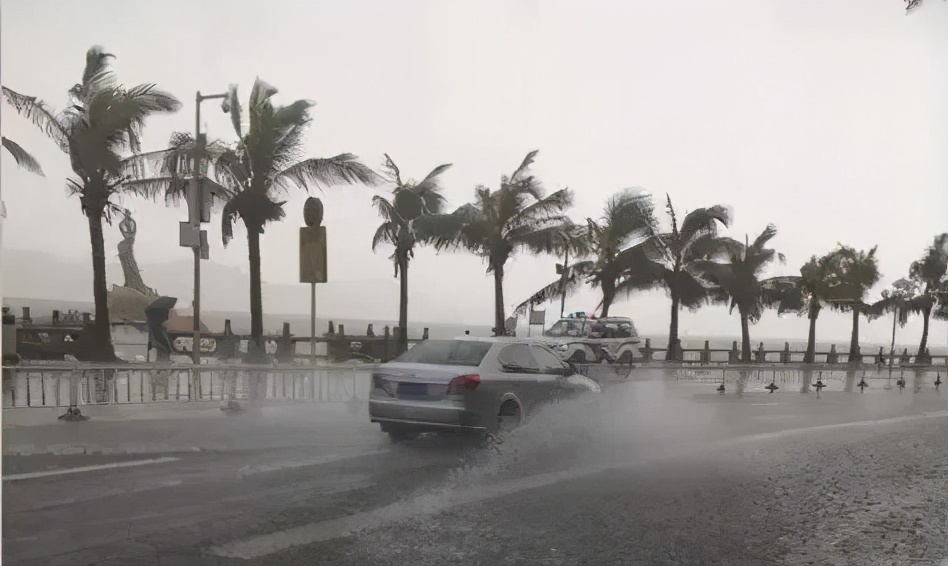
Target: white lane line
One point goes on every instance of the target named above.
(286, 465)
(31, 475)
(436, 502)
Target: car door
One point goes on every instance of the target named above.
(551, 373)
(519, 375)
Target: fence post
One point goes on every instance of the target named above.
(832, 357)
(286, 350)
(734, 355)
(647, 351)
(388, 344)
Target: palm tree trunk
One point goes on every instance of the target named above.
(608, 296)
(854, 357)
(256, 292)
(745, 338)
(402, 304)
(895, 320)
(674, 346)
(810, 356)
(98, 347)
(499, 317)
(923, 345)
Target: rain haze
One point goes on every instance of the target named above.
(127, 439)
(824, 118)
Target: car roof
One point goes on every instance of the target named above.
(500, 339)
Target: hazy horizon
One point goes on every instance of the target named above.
(826, 119)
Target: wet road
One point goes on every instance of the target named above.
(670, 472)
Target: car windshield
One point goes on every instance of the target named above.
(446, 352)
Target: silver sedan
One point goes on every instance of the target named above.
(469, 384)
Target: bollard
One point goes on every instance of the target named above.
(705, 356)
(785, 355)
(73, 414)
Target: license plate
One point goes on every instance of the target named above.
(413, 389)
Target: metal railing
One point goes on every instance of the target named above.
(62, 386)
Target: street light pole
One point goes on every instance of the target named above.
(196, 212)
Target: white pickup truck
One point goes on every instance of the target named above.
(581, 339)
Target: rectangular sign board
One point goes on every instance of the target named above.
(313, 254)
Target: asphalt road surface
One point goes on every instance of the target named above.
(668, 472)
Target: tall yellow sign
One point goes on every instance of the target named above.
(313, 254)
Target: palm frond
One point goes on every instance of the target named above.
(386, 210)
(343, 169)
(392, 170)
(231, 105)
(540, 210)
(384, 234)
(22, 157)
(568, 285)
(703, 221)
(518, 175)
(42, 116)
(768, 234)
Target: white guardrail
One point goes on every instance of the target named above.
(62, 386)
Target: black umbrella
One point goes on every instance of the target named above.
(157, 315)
(158, 309)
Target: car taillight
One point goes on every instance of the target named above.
(463, 383)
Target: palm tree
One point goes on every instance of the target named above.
(816, 286)
(931, 275)
(517, 216)
(900, 300)
(410, 201)
(857, 272)
(626, 217)
(101, 122)
(737, 282)
(670, 259)
(265, 164)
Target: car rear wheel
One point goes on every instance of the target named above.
(400, 434)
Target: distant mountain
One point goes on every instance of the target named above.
(45, 277)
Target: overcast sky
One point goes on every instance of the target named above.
(828, 119)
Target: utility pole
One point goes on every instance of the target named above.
(191, 234)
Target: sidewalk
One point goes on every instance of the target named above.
(194, 427)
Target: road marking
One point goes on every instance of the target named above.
(436, 502)
(31, 475)
(251, 470)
